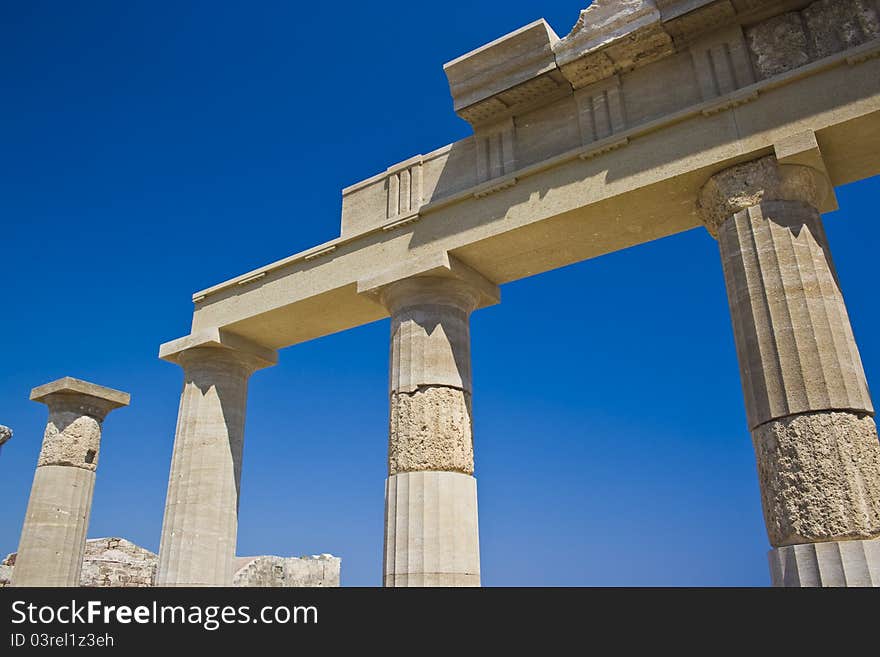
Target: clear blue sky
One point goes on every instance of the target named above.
(151, 149)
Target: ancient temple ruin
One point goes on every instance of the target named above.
(651, 117)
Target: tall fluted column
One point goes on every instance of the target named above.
(53, 538)
(807, 400)
(200, 527)
(431, 532)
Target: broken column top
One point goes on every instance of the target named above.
(5, 433)
(70, 389)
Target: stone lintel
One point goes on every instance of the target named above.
(435, 265)
(218, 339)
(68, 387)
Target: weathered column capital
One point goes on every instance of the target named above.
(76, 396)
(430, 291)
(749, 184)
(218, 348)
(76, 410)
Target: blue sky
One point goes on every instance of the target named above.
(151, 149)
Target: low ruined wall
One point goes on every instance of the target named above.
(116, 562)
(107, 562)
(317, 570)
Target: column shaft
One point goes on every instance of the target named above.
(53, 536)
(200, 526)
(807, 400)
(432, 534)
(431, 529)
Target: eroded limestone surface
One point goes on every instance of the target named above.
(431, 430)
(5, 433)
(785, 42)
(834, 25)
(71, 439)
(819, 476)
(778, 45)
(746, 185)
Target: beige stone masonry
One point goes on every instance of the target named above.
(319, 570)
(50, 551)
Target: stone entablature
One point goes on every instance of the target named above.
(626, 65)
(608, 166)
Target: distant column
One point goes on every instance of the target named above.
(807, 400)
(200, 527)
(53, 538)
(5, 435)
(431, 531)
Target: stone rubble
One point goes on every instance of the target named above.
(117, 562)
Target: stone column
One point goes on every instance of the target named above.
(200, 526)
(431, 532)
(807, 401)
(53, 538)
(5, 435)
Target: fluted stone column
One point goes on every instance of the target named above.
(200, 526)
(807, 400)
(431, 532)
(53, 538)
